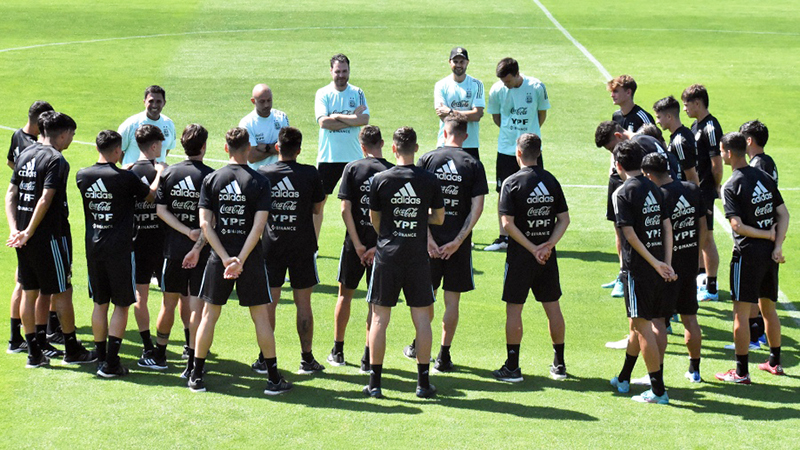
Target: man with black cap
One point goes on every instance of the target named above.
(463, 93)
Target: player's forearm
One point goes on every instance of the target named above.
(472, 218)
(666, 232)
(783, 225)
(259, 223)
(473, 115)
(11, 207)
(206, 224)
(40, 210)
(10, 164)
(542, 117)
(168, 218)
(562, 222)
(516, 234)
(436, 217)
(353, 120)
(199, 243)
(375, 218)
(638, 247)
(747, 231)
(497, 119)
(332, 124)
(350, 224)
(691, 175)
(716, 169)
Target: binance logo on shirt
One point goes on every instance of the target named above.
(540, 194)
(232, 192)
(405, 196)
(185, 188)
(448, 172)
(760, 194)
(285, 189)
(28, 170)
(650, 204)
(98, 190)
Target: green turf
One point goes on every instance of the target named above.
(209, 56)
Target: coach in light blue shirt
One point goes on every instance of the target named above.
(461, 93)
(154, 100)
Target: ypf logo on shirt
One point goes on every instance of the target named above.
(540, 194)
(405, 196)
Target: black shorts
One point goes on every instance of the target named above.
(456, 271)
(473, 151)
(149, 260)
(330, 173)
(643, 294)
(614, 182)
(680, 296)
(44, 265)
(390, 277)
(350, 269)
(174, 278)
(302, 268)
(754, 275)
(505, 167)
(112, 280)
(523, 273)
(251, 286)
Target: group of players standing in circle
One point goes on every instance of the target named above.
(250, 223)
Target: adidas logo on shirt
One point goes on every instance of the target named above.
(650, 204)
(366, 184)
(540, 194)
(185, 188)
(98, 190)
(760, 194)
(28, 170)
(448, 172)
(285, 189)
(232, 192)
(144, 180)
(406, 196)
(682, 208)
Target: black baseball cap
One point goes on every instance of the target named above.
(459, 51)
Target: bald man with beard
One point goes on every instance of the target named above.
(263, 125)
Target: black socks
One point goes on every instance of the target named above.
(512, 358)
(741, 365)
(375, 376)
(558, 358)
(627, 368)
(147, 340)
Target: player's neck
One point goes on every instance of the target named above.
(147, 113)
(738, 162)
(663, 180)
(460, 79)
(626, 107)
(673, 127)
(31, 129)
(263, 116)
(286, 159)
(405, 160)
(103, 159)
(702, 114)
(632, 173)
(378, 154)
(754, 150)
(51, 142)
(453, 143)
(198, 158)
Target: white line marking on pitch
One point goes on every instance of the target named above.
(789, 307)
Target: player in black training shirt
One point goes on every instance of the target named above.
(759, 220)
(289, 240)
(464, 186)
(358, 250)
(707, 133)
(684, 205)
(109, 196)
(534, 213)
(403, 201)
(185, 252)
(148, 236)
(20, 140)
(681, 140)
(646, 257)
(630, 116)
(234, 205)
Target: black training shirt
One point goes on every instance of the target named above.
(356, 181)
(179, 190)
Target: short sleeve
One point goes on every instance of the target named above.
(729, 200)
(505, 204)
(320, 108)
(623, 210)
(345, 188)
(438, 97)
(318, 193)
(479, 101)
(140, 190)
(714, 134)
(251, 135)
(544, 99)
(161, 193)
(363, 101)
(264, 193)
(52, 176)
(493, 104)
(171, 143)
(438, 197)
(374, 198)
(561, 200)
(479, 184)
(205, 193)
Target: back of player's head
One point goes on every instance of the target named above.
(341, 58)
(652, 131)
(290, 139)
(507, 66)
(755, 130)
(530, 146)
(237, 139)
(54, 123)
(405, 140)
(668, 105)
(622, 81)
(37, 108)
(735, 143)
(155, 89)
(695, 92)
(629, 155)
(455, 124)
(605, 132)
(193, 139)
(370, 136)
(107, 141)
(148, 134)
(42, 119)
(655, 163)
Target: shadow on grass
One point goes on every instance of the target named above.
(589, 256)
(707, 401)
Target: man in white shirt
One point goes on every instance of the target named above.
(263, 125)
(341, 109)
(154, 100)
(463, 93)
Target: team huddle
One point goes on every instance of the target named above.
(254, 224)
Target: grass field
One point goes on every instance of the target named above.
(93, 60)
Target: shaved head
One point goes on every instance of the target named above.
(262, 99)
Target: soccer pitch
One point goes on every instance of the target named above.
(93, 61)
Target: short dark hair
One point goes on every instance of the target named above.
(650, 129)
(155, 89)
(757, 130)
(43, 117)
(193, 139)
(108, 140)
(655, 163)
(370, 136)
(340, 57)
(530, 145)
(624, 82)
(290, 139)
(37, 108)
(507, 66)
(147, 134)
(56, 122)
(668, 105)
(605, 132)
(455, 123)
(735, 142)
(695, 92)
(405, 140)
(237, 139)
(629, 155)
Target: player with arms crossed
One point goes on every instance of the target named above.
(263, 125)
(154, 100)
(234, 206)
(464, 94)
(358, 250)
(403, 201)
(534, 212)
